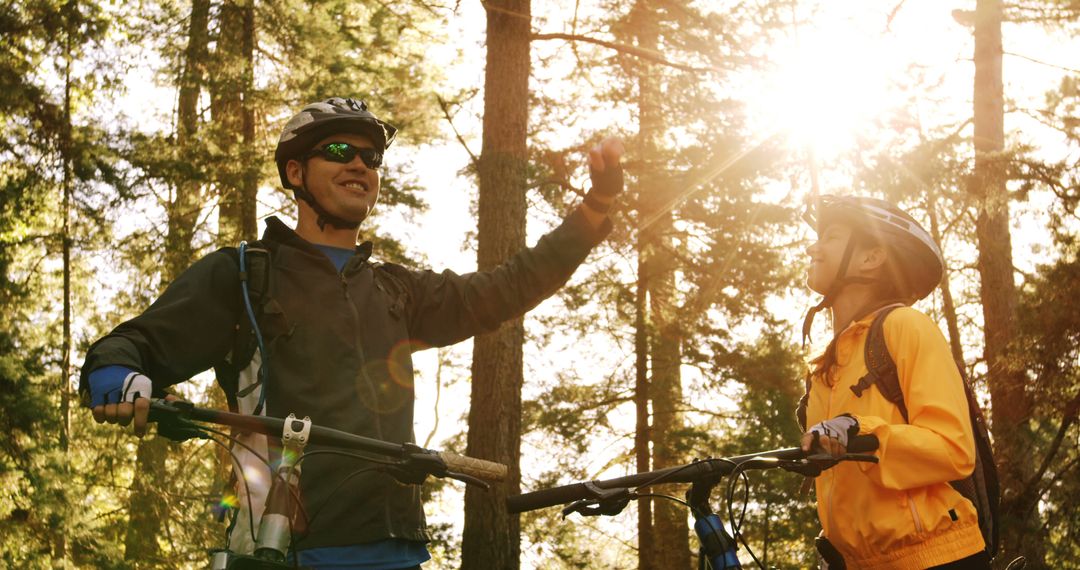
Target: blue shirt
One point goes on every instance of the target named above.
(389, 554)
(339, 256)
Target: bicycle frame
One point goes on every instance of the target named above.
(412, 465)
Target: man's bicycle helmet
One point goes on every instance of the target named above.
(317, 121)
(917, 263)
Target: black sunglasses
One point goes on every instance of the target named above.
(343, 153)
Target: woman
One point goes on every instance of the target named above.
(900, 513)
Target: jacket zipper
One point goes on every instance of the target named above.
(914, 515)
(360, 353)
(387, 515)
(832, 475)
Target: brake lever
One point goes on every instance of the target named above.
(802, 467)
(468, 479)
(608, 506)
(172, 420)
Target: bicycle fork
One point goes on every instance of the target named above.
(717, 546)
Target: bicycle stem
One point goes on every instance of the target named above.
(275, 528)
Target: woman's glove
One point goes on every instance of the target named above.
(832, 435)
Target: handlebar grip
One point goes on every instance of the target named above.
(479, 468)
(546, 498)
(862, 444)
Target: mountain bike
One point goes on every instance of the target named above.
(408, 463)
(717, 550)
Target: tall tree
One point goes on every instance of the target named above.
(1010, 402)
(691, 222)
(491, 535)
(232, 110)
(50, 71)
(148, 508)
(670, 546)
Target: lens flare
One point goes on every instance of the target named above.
(229, 501)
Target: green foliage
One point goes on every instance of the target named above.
(1048, 347)
(779, 520)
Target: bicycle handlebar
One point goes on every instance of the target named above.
(681, 474)
(176, 411)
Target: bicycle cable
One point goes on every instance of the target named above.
(335, 490)
(736, 524)
(660, 478)
(247, 489)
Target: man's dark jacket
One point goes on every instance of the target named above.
(339, 349)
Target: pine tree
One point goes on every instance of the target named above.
(491, 538)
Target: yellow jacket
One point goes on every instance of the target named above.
(900, 513)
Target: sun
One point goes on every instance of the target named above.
(828, 82)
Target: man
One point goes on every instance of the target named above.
(338, 330)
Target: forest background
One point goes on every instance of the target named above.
(137, 137)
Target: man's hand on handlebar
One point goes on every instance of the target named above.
(121, 396)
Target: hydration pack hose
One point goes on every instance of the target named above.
(263, 362)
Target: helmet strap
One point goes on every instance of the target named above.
(839, 282)
(324, 217)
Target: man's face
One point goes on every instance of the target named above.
(348, 191)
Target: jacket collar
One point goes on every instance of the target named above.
(277, 231)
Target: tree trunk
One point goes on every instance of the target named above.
(251, 157)
(491, 535)
(1010, 404)
(229, 113)
(183, 210)
(646, 548)
(948, 305)
(146, 506)
(60, 542)
(665, 389)
(147, 509)
(670, 541)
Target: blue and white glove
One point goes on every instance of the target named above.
(115, 384)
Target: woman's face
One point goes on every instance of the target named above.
(825, 256)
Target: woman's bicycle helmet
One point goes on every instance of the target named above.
(317, 121)
(917, 264)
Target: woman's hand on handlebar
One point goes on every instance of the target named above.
(812, 442)
(830, 436)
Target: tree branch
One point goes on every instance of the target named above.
(892, 15)
(1070, 415)
(1033, 60)
(450, 119)
(623, 48)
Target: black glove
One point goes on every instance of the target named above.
(606, 186)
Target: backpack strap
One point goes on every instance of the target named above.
(256, 278)
(804, 402)
(880, 367)
(390, 278)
